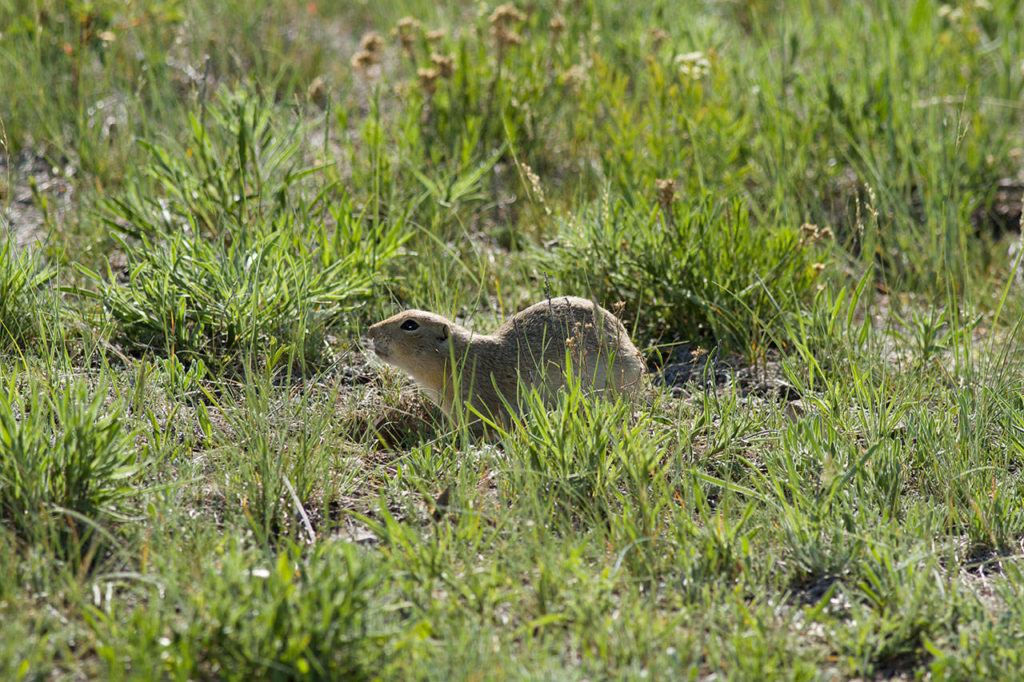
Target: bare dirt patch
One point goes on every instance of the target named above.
(33, 191)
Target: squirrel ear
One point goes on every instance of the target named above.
(442, 340)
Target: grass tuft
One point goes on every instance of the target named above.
(68, 465)
(686, 270)
(228, 253)
(23, 304)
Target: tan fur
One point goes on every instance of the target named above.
(529, 350)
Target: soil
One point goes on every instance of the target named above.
(21, 213)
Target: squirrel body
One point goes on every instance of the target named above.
(530, 350)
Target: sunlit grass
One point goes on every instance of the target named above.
(204, 206)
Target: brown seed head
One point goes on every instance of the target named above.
(666, 192)
(317, 92)
(408, 25)
(505, 15)
(502, 20)
(371, 42)
(574, 76)
(363, 60)
(658, 35)
(428, 80)
(406, 30)
(445, 64)
(505, 37)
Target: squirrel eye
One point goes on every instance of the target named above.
(409, 325)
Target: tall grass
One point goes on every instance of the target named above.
(687, 269)
(67, 465)
(24, 305)
(200, 477)
(229, 252)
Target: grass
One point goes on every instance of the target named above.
(810, 209)
(22, 289)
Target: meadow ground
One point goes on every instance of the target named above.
(810, 212)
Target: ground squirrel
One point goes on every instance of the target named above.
(529, 350)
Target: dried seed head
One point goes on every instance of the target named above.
(363, 60)
(435, 36)
(535, 186)
(504, 37)
(408, 25)
(502, 20)
(427, 79)
(445, 64)
(658, 35)
(406, 30)
(826, 233)
(505, 15)
(317, 92)
(371, 42)
(557, 25)
(574, 76)
(808, 231)
(872, 204)
(666, 192)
